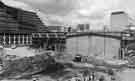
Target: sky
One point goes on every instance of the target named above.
(72, 12)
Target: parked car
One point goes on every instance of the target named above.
(77, 58)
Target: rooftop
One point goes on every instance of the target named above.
(118, 12)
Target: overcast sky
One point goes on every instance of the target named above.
(72, 12)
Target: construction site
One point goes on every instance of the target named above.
(29, 51)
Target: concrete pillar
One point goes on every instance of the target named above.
(9, 41)
(27, 39)
(4, 39)
(14, 39)
(30, 39)
(19, 39)
(23, 39)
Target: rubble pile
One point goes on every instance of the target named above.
(25, 65)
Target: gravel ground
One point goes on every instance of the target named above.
(127, 75)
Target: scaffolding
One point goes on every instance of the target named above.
(50, 41)
(127, 38)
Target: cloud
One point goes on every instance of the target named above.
(50, 11)
(18, 4)
(57, 7)
(75, 11)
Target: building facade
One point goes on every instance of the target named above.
(55, 28)
(24, 28)
(55, 41)
(107, 45)
(83, 27)
(120, 21)
(13, 19)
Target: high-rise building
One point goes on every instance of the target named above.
(17, 26)
(83, 27)
(14, 19)
(29, 21)
(120, 20)
(23, 28)
(7, 21)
